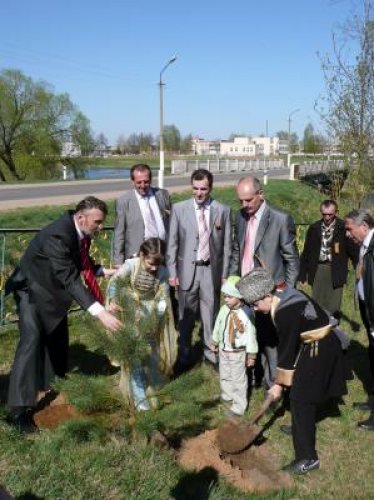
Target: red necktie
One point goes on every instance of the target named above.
(88, 270)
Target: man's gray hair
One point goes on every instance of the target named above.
(255, 182)
(361, 216)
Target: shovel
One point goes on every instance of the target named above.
(236, 435)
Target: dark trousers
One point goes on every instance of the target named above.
(39, 355)
(304, 430)
(324, 293)
(365, 321)
(267, 342)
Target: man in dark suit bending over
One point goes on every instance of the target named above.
(45, 284)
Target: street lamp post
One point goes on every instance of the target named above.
(162, 156)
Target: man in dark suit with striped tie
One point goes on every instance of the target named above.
(45, 284)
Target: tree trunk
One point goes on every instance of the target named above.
(7, 158)
(125, 388)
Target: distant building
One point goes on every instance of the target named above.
(203, 147)
(250, 146)
(333, 147)
(103, 151)
(240, 146)
(70, 150)
(283, 146)
(266, 146)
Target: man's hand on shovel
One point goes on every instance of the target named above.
(275, 392)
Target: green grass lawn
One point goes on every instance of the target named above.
(107, 455)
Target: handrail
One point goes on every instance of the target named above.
(29, 230)
(3, 234)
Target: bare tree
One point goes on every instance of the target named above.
(347, 106)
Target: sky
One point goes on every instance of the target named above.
(242, 66)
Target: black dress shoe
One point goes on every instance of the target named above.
(24, 423)
(286, 429)
(301, 466)
(368, 424)
(363, 406)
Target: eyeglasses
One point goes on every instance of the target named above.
(323, 214)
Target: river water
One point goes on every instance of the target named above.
(98, 172)
(106, 173)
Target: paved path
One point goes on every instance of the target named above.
(14, 196)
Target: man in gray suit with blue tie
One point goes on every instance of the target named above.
(141, 213)
(198, 260)
(264, 237)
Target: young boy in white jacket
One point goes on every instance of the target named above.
(234, 336)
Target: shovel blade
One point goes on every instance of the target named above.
(236, 436)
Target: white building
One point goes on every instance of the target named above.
(250, 146)
(283, 146)
(240, 146)
(69, 149)
(266, 146)
(204, 147)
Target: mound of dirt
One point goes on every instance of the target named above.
(55, 413)
(236, 435)
(254, 470)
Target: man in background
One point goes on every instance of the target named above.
(359, 225)
(141, 213)
(264, 237)
(324, 260)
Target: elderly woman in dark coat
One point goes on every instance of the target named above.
(310, 358)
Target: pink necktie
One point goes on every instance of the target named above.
(203, 236)
(88, 271)
(247, 260)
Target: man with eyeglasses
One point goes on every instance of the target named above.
(359, 226)
(324, 260)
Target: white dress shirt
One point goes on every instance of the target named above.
(156, 212)
(363, 249)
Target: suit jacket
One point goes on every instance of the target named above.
(368, 278)
(50, 272)
(183, 242)
(129, 224)
(316, 377)
(342, 248)
(275, 245)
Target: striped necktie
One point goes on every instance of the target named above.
(204, 252)
(88, 270)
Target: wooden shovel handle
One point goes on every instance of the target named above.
(265, 405)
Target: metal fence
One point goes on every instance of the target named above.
(225, 165)
(14, 242)
(314, 167)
